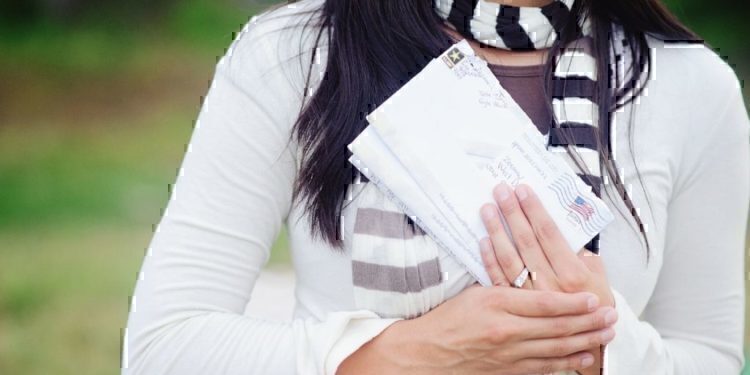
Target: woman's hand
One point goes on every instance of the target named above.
(489, 330)
(553, 324)
(541, 247)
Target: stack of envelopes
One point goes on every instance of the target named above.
(439, 146)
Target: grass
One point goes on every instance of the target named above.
(64, 295)
(83, 182)
(75, 219)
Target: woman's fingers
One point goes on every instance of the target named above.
(490, 263)
(571, 273)
(543, 303)
(563, 346)
(567, 325)
(504, 254)
(592, 261)
(526, 281)
(524, 238)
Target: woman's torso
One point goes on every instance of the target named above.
(324, 274)
(324, 277)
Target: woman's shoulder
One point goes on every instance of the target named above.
(283, 22)
(696, 95)
(695, 72)
(276, 45)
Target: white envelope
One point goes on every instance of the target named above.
(440, 164)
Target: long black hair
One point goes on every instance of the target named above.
(376, 46)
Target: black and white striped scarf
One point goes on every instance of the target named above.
(398, 270)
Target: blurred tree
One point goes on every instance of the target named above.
(25, 11)
(20, 14)
(721, 22)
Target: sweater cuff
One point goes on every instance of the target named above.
(624, 316)
(357, 332)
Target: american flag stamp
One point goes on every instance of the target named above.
(581, 211)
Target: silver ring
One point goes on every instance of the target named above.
(518, 282)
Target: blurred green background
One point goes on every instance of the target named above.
(97, 103)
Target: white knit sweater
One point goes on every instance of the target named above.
(680, 314)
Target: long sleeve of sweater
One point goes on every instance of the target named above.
(693, 323)
(228, 204)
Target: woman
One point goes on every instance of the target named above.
(665, 296)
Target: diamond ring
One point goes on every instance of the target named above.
(518, 282)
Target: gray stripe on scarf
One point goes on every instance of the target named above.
(397, 279)
(387, 224)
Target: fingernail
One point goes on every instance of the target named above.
(488, 212)
(588, 360)
(521, 192)
(608, 335)
(611, 317)
(593, 303)
(503, 192)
